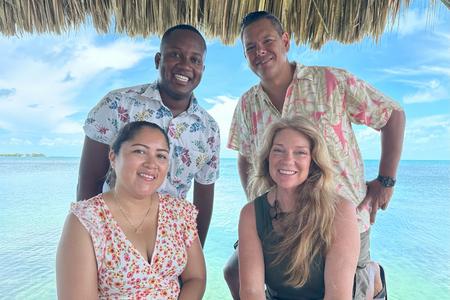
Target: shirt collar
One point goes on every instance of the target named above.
(152, 92)
(303, 72)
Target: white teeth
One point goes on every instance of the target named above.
(265, 61)
(181, 77)
(150, 177)
(287, 172)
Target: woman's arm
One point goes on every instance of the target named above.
(251, 261)
(342, 257)
(194, 275)
(76, 266)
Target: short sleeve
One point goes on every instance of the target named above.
(188, 215)
(239, 137)
(91, 215)
(365, 104)
(209, 173)
(103, 121)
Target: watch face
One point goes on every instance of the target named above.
(386, 181)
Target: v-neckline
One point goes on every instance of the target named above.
(149, 262)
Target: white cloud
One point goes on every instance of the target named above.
(69, 127)
(366, 134)
(425, 138)
(47, 81)
(421, 70)
(411, 21)
(430, 92)
(443, 40)
(423, 130)
(222, 111)
(51, 142)
(88, 59)
(16, 142)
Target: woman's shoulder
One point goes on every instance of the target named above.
(177, 205)
(260, 202)
(254, 206)
(96, 201)
(248, 209)
(89, 208)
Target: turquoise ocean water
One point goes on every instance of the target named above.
(411, 239)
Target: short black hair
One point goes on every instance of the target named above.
(169, 31)
(258, 15)
(130, 130)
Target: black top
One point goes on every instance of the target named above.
(275, 276)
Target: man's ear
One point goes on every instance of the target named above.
(286, 40)
(157, 60)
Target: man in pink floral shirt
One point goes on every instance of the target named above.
(331, 98)
(170, 103)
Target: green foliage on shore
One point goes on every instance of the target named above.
(22, 154)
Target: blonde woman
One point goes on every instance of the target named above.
(297, 237)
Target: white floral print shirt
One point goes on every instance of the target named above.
(193, 134)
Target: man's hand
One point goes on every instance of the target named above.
(377, 197)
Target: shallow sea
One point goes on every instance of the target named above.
(411, 239)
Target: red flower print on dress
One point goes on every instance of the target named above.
(123, 272)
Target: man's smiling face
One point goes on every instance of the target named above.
(180, 64)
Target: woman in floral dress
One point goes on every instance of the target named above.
(132, 242)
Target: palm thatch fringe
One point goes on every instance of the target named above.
(311, 22)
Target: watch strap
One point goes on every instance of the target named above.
(386, 181)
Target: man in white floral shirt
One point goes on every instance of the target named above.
(170, 103)
(332, 99)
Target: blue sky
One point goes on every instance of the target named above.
(48, 83)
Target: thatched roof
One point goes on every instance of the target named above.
(311, 22)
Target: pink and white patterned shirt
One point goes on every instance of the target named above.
(332, 99)
(194, 135)
(123, 273)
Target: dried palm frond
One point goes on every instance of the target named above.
(311, 22)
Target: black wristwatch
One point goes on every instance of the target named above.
(386, 181)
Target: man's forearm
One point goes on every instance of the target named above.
(203, 221)
(392, 143)
(86, 190)
(203, 200)
(243, 168)
(94, 164)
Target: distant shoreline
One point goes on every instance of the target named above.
(22, 155)
(30, 155)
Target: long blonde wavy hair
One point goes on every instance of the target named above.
(307, 231)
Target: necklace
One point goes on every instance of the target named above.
(275, 211)
(138, 228)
